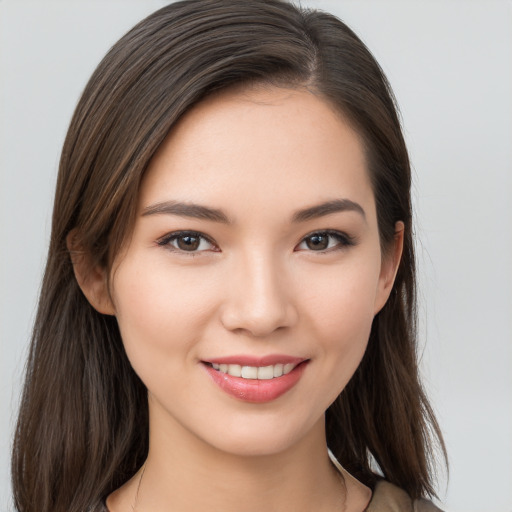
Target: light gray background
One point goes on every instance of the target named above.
(450, 63)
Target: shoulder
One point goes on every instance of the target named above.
(390, 498)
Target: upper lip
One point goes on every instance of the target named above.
(247, 360)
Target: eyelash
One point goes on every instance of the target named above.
(343, 241)
(176, 235)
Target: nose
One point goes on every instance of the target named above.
(258, 298)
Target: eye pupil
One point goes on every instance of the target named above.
(188, 242)
(317, 242)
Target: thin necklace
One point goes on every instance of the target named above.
(135, 501)
(336, 467)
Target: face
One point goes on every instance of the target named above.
(246, 294)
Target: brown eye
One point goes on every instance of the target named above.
(325, 241)
(317, 242)
(187, 241)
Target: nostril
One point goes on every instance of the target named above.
(256, 324)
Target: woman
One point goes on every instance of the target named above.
(230, 283)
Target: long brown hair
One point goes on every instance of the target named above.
(83, 424)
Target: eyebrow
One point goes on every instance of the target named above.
(197, 211)
(327, 208)
(192, 210)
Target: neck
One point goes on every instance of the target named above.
(193, 476)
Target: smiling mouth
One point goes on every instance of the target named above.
(253, 379)
(255, 372)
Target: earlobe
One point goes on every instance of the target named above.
(92, 279)
(389, 267)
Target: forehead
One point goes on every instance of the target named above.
(266, 148)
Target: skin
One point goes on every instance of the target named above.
(254, 286)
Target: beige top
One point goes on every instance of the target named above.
(389, 498)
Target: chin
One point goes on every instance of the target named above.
(267, 439)
(254, 446)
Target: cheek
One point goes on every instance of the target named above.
(160, 312)
(343, 300)
(340, 308)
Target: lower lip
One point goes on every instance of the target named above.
(255, 390)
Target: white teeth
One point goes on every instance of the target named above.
(278, 370)
(235, 370)
(265, 372)
(287, 368)
(250, 372)
(255, 372)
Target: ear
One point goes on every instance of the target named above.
(93, 280)
(389, 267)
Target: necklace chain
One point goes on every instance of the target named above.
(143, 469)
(135, 501)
